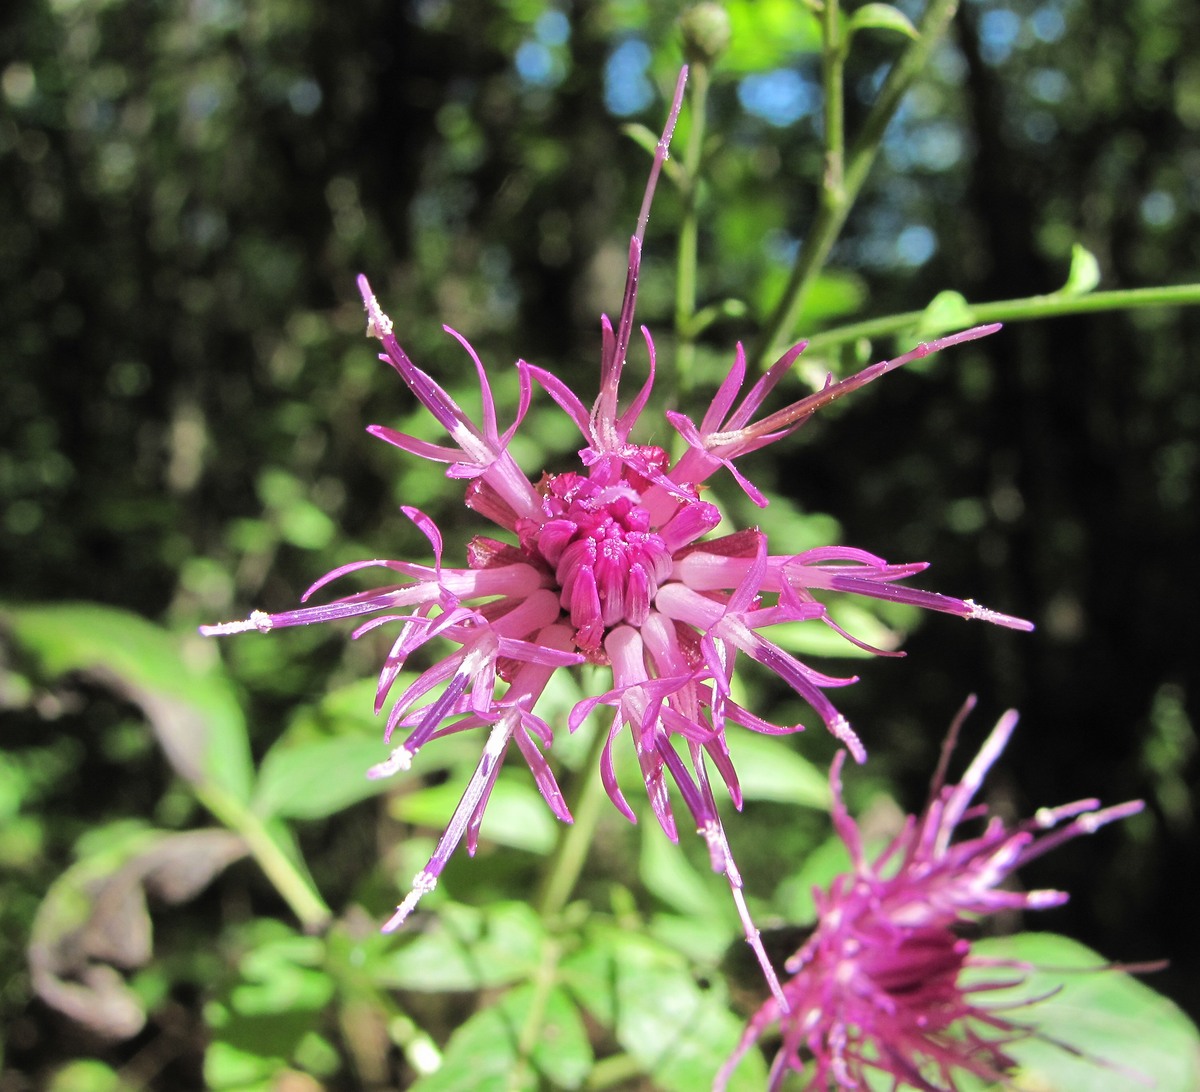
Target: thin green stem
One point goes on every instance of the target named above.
(689, 231)
(835, 206)
(291, 883)
(544, 979)
(576, 839)
(833, 64)
(1019, 310)
(570, 855)
(613, 1071)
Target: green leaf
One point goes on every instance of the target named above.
(180, 687)
(482, 1054)
(1126, 1035)
(645, 994)
(85, 1075)
(516, 814)
(833, 294)
(315, 779)
(946, 311)
(817, 868)
(881, 17)
(668, 875)
(303, 524)
(269, 1012)
(768, 34)
(228, 1068)
(641, 136)
(282, 975)
(1084, 274)
(769, 769)
(466, 949)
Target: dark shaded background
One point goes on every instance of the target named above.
(187, 192)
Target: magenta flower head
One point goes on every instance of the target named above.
(617, 562)
(877, 989)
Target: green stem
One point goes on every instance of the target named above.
(291, 883)
(833, 64)
(835, 204)
(613, 1071)
(565, 868)
(576, 839)
(1025, 309)
(685, 279)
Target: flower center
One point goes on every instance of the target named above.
(606, 558)
(917, 969)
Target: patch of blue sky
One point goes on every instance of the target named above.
(304, 96)
(998, 32)
(539, 60)
(552, 28)
(627, 87)
(535, 64)
(1158, 208)
(926, 145)
(1048, 85)
(915, 245)
(781, 97)
(1039, 126)
(1048, 23)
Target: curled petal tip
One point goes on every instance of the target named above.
(259, 620)
(972, 334)
(1008, 621)
(983, 330)
(399, 759)
(378, 324)
(423, 883)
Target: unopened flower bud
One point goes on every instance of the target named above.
(706, 32)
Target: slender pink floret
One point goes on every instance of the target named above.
(616, 563)
(877, 988)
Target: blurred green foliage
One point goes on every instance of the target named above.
(186, 194)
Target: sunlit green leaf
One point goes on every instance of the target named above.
(231, 1068)
(481, 1056)
(881, 17)
(282, 975)
(946, 311)
(818, 867)
(668, 874)
(516, 814)
(1084, 273)
(347, 710)
(1122, 1034)
(644, 992)
(769, 768)
(304, 525)
(267, 1014)
(314, 780)
(768, 34)
(464, 948)
(833, 295)
(85, 1075)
